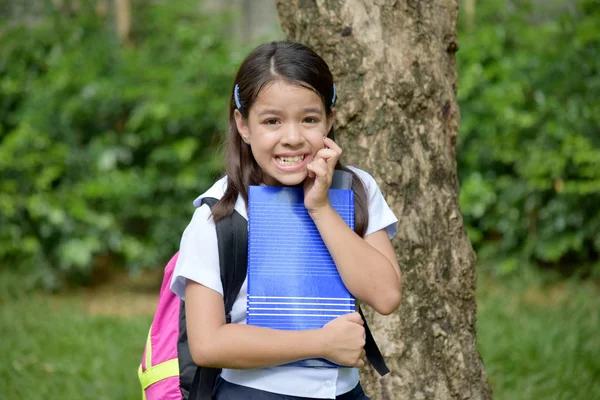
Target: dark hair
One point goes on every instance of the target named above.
(296, 64)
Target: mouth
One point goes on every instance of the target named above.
(289, 163)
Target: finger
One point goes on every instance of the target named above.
(309, 168)
(330, 144)
(330, 158)
(322, 163)
(319, 167)
(350, 316)
(326, 154)
(355, 317)
(331, 155)
(360, 363)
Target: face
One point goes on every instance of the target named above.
(285, 129)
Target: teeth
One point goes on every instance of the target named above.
(290, 160)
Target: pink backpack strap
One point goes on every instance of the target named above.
(159, 369)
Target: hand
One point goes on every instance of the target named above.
(344, 340)
(320, 175)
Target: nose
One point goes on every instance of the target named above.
(292, 136)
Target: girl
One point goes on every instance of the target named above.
(280, 129)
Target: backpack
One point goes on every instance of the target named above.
(167, 371)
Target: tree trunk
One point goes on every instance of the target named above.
(254, 19)
(123, 21)
(395, 68)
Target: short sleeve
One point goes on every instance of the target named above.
(198, 255)
(380, 214)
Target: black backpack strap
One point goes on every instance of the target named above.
(187, 367)
(232, 238)
(372, 350)
(203, 383)
(343, 180)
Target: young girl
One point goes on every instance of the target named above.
(281, 112)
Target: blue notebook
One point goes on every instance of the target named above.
(293, 283)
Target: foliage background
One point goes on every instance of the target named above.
(529, 143)
(105, 142)
(103, 146)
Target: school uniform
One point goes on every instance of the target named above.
(199, 261)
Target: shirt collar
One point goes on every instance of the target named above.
(216, 191)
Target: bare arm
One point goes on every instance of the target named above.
(367, 266)
(216, 344)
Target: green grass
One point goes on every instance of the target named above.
(80, 346)
(538, 339)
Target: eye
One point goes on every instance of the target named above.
(270, 121)
(311, 120)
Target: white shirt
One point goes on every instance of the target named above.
(199, 261)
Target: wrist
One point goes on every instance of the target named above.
(311, 343)
(320, 212)
(320, 340)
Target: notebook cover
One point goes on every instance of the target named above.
(293, 283)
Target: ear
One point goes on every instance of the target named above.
(242, 126)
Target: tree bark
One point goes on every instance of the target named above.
(395, 68)
(123, 21)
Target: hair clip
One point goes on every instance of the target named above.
(236, 96)
(333, 97)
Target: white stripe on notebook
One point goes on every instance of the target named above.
(300, 303)
(295, 309)
(296, 315)
(301, 298)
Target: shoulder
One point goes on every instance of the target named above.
(215, 191)
(201, 219)
(198, 259)
(381, 215)
(367, 180)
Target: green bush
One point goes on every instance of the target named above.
(103, 147)
(529, 142)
